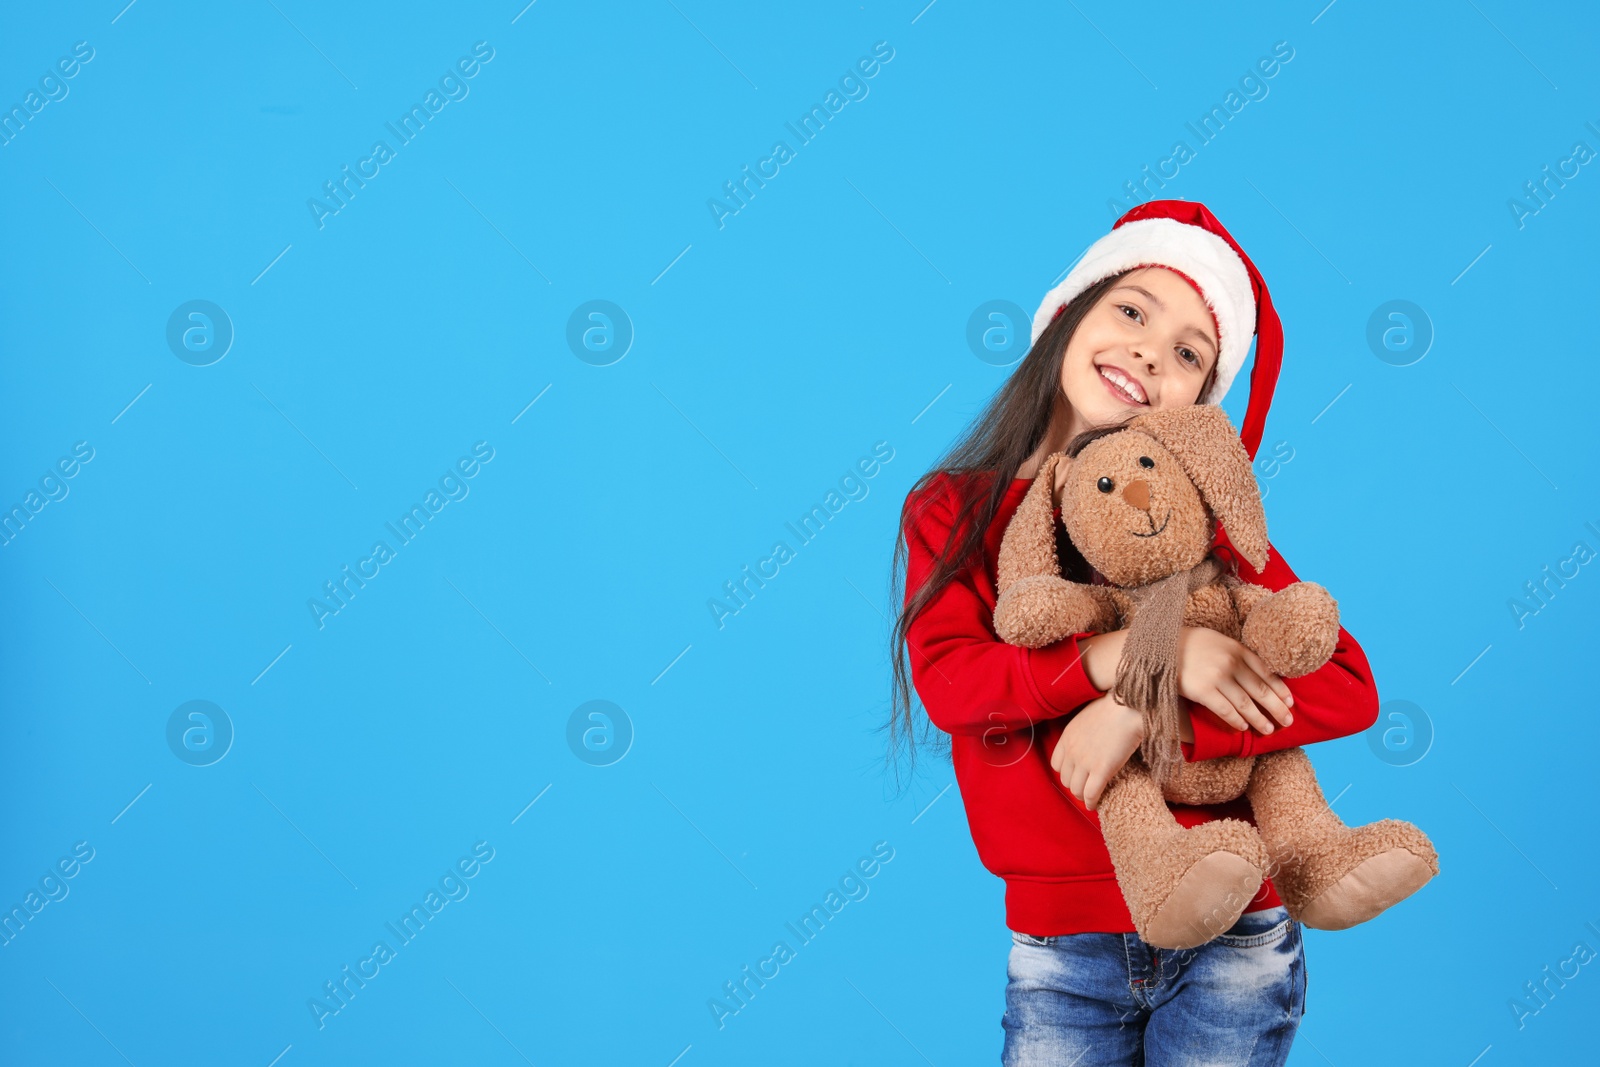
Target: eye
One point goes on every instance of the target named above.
(1146, 462)
(1127, 307)
(1189, 356)
(1105, 485)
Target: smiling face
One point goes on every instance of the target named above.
(1132, 510)
(1148, 344)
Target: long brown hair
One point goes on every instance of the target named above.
(994, 446)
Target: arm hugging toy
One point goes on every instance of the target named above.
(1140, 503)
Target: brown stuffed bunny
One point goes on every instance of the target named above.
(1140, 504)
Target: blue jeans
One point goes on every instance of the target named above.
(1088, 1000)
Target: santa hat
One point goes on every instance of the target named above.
(1185, 237)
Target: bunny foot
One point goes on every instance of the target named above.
(1183, 886)
(1363, 873)
(1328, 875)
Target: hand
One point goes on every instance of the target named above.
(1234, 682)
(1094, 745)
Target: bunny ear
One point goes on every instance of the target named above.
(1029, 545)
(1213, 456)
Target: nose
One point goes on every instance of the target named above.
(1137, 493)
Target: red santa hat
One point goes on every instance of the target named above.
(1185, 237)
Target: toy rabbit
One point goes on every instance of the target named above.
(1139, 502)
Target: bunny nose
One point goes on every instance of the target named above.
(1137, 493)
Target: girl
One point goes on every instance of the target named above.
(1157, 314)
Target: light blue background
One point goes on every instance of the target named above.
(824, 317)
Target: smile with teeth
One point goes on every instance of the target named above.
(1123, 386)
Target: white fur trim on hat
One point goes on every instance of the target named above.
(1195, 251)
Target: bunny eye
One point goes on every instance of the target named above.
(1146, 462)
(1105, 485)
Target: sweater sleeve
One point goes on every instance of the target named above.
(969, 680)
(1335, 700)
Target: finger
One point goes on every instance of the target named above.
(1064, 770)
(1257, 664)
(1080, 776)
(1093, 787)
(1265, 696)
(1223, 708)
(1061, 756)
(1246, 707)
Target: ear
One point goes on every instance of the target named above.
(1029, 545)
(1207, 446)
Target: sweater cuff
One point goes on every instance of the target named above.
(1059, 678)
(1213, 738)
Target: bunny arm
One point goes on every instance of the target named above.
(1246, 595)
(1293, 629)
(1335, 700)
(1041, 609)
(969, 681)
(1036, 606)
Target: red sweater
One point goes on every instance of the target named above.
(1005, 707)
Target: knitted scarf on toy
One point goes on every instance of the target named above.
(1147, 673)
